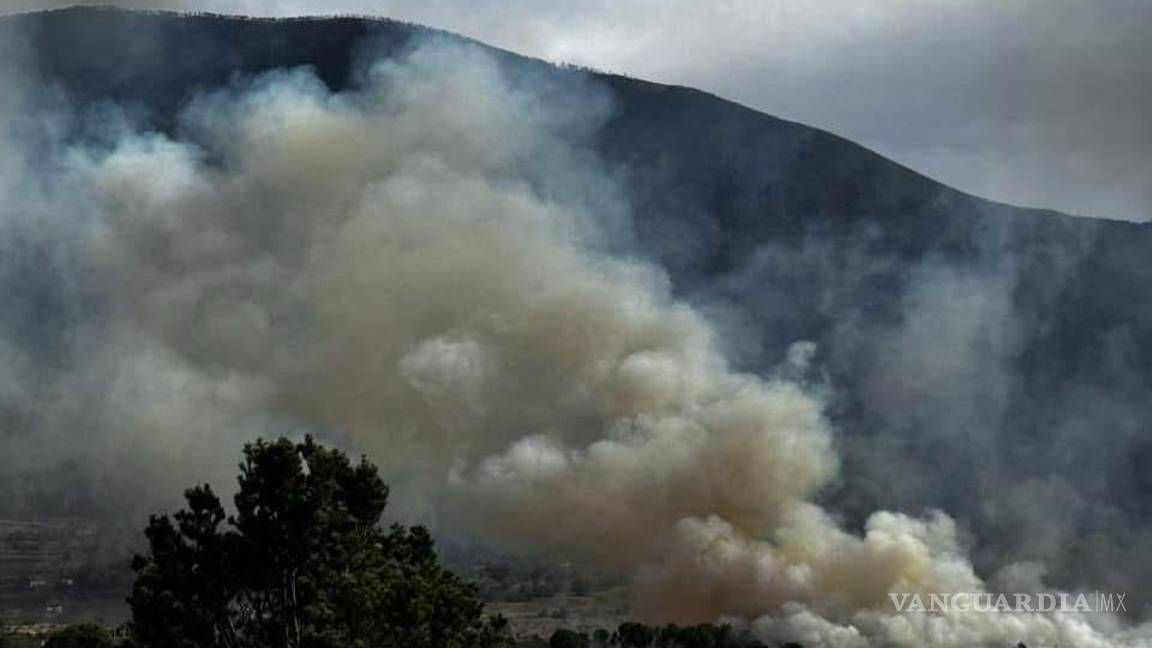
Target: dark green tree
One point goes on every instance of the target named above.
(565, 638)
(303, 563)
(704, 635)
(635, 635)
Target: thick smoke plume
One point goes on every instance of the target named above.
(415, 269)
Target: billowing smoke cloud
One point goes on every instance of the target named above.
(966, 384)
(412, 269)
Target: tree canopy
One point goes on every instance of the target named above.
(303, 563)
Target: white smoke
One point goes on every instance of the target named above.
(390, 265)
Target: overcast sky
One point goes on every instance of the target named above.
(1036, 102)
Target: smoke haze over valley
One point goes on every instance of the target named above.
(760, 371)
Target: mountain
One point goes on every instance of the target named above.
(967, 346)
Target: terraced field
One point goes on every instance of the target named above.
(59, 570)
